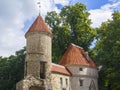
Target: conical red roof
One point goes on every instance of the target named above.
(39, 25)
(76, 55)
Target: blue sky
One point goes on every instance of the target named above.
(17, 16)
(91, 4)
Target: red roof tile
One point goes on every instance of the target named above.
(39, 25)
(76, 55)
(60, 69)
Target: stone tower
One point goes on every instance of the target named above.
(37, 74)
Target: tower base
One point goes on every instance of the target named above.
(32, 83)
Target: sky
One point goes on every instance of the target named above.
(16, 16)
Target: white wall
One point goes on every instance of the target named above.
(88, 75)
(56, 81)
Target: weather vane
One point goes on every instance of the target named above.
(39, 5)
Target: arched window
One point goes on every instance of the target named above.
(92, 86)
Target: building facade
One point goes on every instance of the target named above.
(75, 71)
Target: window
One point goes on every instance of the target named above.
(63, 89)
(61, 82)
(66, 81)
(81, 82)
(92, 86)
(42, 70)
(81, 69)
(25, 68)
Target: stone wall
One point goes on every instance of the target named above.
(38, 50)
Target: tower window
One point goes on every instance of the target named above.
(42, 70)
(81, 82)
(81, 69)
(25, 68)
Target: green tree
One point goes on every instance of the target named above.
(71, 25)
(11, 70)
(60, 34)
(107, 53)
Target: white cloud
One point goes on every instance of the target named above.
(114, 1)
(63, 2)
(12, 18)
(104, 13)
(49, 5)
(98, 16)
(13, 15)
(71, 2)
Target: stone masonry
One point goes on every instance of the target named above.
(37, 73)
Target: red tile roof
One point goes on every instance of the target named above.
(76, 55)
(60, 69)
(39, 25)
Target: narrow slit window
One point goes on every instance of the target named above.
(66, 81)
(61, 81)
(42, 70)
(25, 68)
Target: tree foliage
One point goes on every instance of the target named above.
(11, 70)
(71, 25)
(107, 53)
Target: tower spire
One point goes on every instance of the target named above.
(39, 6)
